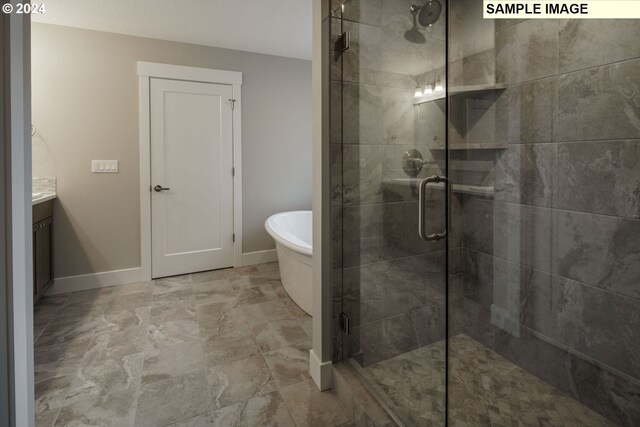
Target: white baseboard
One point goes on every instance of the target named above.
(259, 257)
(105, 279)
(321, 372)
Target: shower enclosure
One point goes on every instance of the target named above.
(485, 200)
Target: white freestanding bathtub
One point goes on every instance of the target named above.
(292, 233)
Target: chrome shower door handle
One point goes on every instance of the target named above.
(421, 209)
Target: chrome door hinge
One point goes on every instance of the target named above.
(233, 103)
(343, 42)
(344, 323)
(234, 237)
(233, 171)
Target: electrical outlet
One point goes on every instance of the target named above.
(104, 166)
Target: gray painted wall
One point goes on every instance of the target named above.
(85, 106)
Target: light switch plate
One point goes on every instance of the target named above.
(104, 166)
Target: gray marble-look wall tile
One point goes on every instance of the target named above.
(525, 112)
(477, 323)
(386, 338)
(598, 323)
(501, 24)
(479, 68)
(544, 359)
(398, 115)
(599, 103)
(385, 289)
(362, 114)
(336, 237)
(527, 51)
(598, 250)
(365, 11)
(600, 177)
(479, 278)
(400, 55)
(336, 175)
(610, 394)
(361, 62)
(362, 173)
(377, 232)
(478, 224)
(473, 167)
(429, 322)
(335, 113)
(523, 234)
(587, 43)
(430, 123)
(526, 173)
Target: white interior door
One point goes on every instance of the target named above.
(191, 177)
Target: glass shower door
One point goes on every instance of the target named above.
(388, 134)
(544, 138)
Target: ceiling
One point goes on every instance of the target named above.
(275, 27)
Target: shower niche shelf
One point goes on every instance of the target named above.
(467, 90)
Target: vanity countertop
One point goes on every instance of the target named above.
(41, 197)
(44, 189)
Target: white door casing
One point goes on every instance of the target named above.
(192, 156)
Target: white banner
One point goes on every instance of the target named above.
(588, 9)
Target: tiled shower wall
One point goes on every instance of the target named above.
(552, 261)
(388, 281)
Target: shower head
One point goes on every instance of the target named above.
(414, 35)
(428, 13)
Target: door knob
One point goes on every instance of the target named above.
(160, 188)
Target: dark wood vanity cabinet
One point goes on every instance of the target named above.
(42, 248)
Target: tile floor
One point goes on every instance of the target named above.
(222, 348)
(486, 390)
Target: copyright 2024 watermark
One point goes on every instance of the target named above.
(24, 8)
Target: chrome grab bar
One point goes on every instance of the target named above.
(421, 209)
